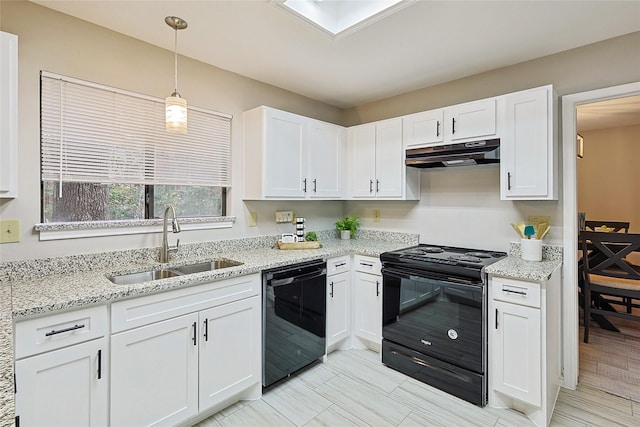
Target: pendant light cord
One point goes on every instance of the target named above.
(176, 59)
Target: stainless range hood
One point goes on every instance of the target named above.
(462, 154)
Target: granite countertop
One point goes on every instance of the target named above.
(30, 288)
(515, 267)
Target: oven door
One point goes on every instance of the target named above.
(437, 315)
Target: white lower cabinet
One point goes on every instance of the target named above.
(173, 371)
(62, 369)
(367, 304)
(525, 345)
(338, 302)
(66, 387)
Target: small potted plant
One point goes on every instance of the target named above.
(347, 227)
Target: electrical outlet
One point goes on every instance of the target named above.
(376, 215)
(284, 216)
(10, 231)
(253, 219)
(538, 219)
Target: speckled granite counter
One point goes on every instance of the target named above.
(514, 267)
(29, 288)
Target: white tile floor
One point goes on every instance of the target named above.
(354, 389)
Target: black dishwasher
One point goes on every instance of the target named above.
(293, 318)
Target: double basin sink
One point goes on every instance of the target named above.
(149, 275)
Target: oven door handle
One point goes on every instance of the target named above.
(422, 276)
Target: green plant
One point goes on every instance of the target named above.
(311, 236)
(350, 223)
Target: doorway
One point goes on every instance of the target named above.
(570, 222)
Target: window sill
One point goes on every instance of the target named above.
(76, 230)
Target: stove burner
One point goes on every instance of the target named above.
(478, 254)
(465, 258)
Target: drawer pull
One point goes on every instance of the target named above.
(62, 331)
(377, 288)
(342, 264)
(510, 291)
(366, 264)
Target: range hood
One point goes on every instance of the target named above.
(462, 154)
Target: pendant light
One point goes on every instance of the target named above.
(175, 105)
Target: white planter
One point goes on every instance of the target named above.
(345, 234)
(531, 249)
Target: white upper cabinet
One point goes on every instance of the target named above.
(377, 162)
(475, 119)
(458, 123)
(8, 115)
(288, 156)
(423, 129)
(528, 161)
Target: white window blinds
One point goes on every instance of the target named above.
(94, 133)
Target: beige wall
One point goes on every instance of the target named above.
(58, 43)
(609, 175)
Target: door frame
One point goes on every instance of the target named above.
(570, 322)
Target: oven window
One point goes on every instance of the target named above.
(436, 317)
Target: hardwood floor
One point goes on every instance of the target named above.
(354, 389)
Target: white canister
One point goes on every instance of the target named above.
(531, 249)
(345, 234)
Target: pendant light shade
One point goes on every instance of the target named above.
(175, 105)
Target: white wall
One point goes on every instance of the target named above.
(61, 44)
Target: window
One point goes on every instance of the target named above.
(106, 156)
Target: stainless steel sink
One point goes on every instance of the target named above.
(147, 276)
(207, 266)
(143, 276)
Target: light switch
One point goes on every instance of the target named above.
(9, 231)
(253, 219)
(376, 215)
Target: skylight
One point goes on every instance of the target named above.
(340, 17)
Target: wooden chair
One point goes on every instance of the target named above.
(616, 225)
(606, 273)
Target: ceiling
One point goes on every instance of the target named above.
(421, 44)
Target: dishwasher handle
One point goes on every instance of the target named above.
(289, 280)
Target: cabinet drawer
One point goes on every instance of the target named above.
(59, 330)
(516, 291)
(367, 264)
(154, 308)
(338, 265)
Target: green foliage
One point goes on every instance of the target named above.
(350, 223)
(311, 236)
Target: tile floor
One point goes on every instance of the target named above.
(354, 389)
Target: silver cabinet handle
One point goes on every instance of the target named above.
(61, 331)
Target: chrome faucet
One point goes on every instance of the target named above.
(165, 249)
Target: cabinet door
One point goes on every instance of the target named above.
(515, 351)
(389, 159)
(230, 350)
(285, 154)
(362, 141)
(526, 163)
(66, 387)
(154, 373)
(368, 307)
(471, 120)
(8, 115)
(338, 308)
(326, 160)
(422, 129)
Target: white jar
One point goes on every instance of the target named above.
(531, 249)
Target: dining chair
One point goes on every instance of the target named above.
(616, 225)
(607, 273)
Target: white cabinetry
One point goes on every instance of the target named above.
(377, 162)
(528, 160)
(186, 352)
(288, 156)
(338, 302)
(8, 115)
(524, 345)
(458, 123)
(62, 370)
(367, 298)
